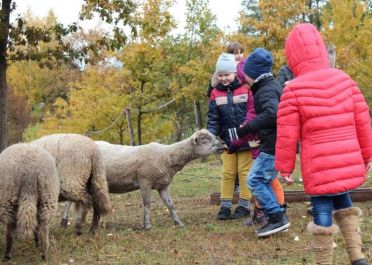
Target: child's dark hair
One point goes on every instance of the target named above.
(234, 47)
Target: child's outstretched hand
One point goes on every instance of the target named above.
(286, 177)
(254, 143)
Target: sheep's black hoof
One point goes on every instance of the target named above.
(43, 257)
(64, 222)
(79, 233)
(7, 258)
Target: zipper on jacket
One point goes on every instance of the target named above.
(230, 106)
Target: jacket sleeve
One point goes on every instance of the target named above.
(284, 74)
(213, 124)
(267, 118)
(363, 124)
(281, 76)
(288, 132)
(251, 114)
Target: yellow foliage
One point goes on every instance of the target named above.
(349, 28)
(271, 30)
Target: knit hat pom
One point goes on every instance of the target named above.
(226, 63)
(259, 62)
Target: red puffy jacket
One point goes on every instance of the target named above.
(324, 109)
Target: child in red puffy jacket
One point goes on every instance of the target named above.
(324, 109)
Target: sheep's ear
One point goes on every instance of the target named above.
(195, 140)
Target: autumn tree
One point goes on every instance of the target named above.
(193, 54)
(201, 34)
(267, 23)
(19, 117)
(93, 103)
(145, 59)
(118, 14)
(133, 77)
(20, 34)
(6, 9)
(348, 25)
(19, 41)
(38, 84)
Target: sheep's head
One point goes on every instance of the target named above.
(206, 143)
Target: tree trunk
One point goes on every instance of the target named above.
(198, 115)
(4, 33)
(199, 122)
(130, 127)
(180, 122)
(3, 106)
(139, 118)
(139, 131)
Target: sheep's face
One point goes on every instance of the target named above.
(206, 143)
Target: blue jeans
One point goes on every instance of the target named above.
(324, 205)
(259, 180)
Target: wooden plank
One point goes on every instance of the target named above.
(358, 195)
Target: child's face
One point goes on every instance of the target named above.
(239, 55)
(225, 78)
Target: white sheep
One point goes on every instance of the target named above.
(81, 173)
(153, 166)
(28, 194)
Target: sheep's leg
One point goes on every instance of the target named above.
(36, 237)
(78, 212)
(64, 220)
(96, 217)
(44, 239)
(84, 213)
(81, 210)
(164, 195)
(146, 198)
(9, 240)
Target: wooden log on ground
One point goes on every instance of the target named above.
(358, 195)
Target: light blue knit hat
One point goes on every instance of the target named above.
(226, 63)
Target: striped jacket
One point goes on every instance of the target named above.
(227, 108)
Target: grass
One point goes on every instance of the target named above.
(203, 240)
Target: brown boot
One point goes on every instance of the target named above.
(348, 221)
(322, 243)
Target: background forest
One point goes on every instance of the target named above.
(62, 78)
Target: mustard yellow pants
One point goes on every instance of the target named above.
(239, 164)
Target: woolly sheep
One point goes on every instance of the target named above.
(152, 166)
(28, 194)
(81, 173)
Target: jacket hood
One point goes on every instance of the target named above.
(305, 50)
